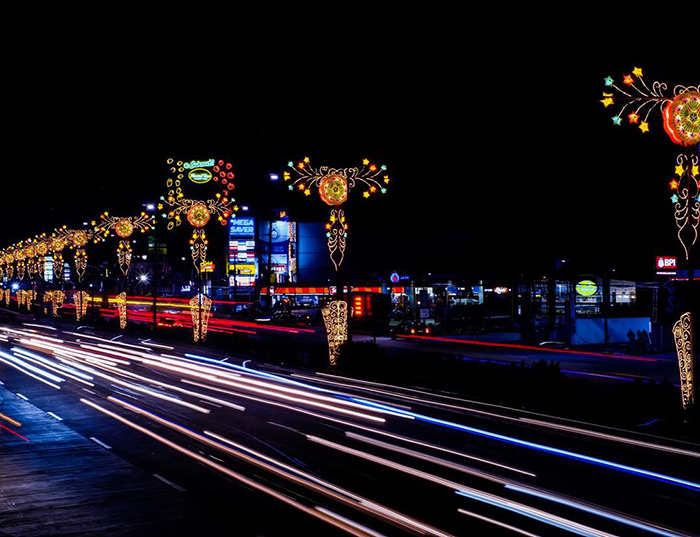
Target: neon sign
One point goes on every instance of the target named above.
(666, 262)
(199, 164)
(199, 175)
(500, 290)
(586, 288)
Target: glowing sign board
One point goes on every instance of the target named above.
(586, 288)
(199, 176)
(666, 262)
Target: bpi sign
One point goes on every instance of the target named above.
(666, 263)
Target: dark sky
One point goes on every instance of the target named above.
(498, 159)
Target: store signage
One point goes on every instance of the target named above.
(242, 227)
(243, 269)
(207, 266)
(666, 262)
(199, 164)
(500, 290)
(199, 176)
(395, 278)
(586, 288)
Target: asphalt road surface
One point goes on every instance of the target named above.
(239, 448)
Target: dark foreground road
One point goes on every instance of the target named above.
(131, 437)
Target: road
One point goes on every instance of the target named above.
(263, 450)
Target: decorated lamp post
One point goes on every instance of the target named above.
(334, 186)
(198, 212)
(680, 114)
(78, 239)
(123, 227)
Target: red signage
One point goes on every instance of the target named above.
(666, 263)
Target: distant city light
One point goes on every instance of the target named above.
(274, 177)
(15, 286)
(244, 208)
(150, 207)
(143, 278)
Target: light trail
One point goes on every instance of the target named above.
(282, 470)
(224, 470)
(551, 450)
(599, 511)
(538, 514)
(497, 523)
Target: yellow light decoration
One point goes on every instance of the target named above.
(30, 297)
(58, 266)
(683, 337)
(21, 297)
(121, 307)
(80, 299)
(21, 269)
(335, 318)
(336, 235)
(198, 248)
(80, 258)
(124, 256)
(686, 203)
(7, 296)
(200, 321)
(57, 298)
(334, 186)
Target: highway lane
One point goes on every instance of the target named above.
(344, 455)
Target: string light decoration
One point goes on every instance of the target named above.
(56, 297)
(334, 186)
(57, 245)
(121, 308)
(335, 318)
(29, 298)
(80, 299)
(198, 212)
(683, 337)
(78, 239)
(21, 270)
(200, 307)
(124, 227)
(7, 296)
(680, 114)
(198, 248)
(21, 297)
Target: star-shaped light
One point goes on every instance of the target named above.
(306, 159)
(673, 184)
(674, 198)
(680, 170)
(617, 120)
(644, 127)
(637, 71)
(628, 80)
(609, 81)
(373, 189)
(365, 194)
(307, 192)
(634, 118)
(301, 186)
(384, 167)
(386, 179)
(365, 162)
(290, 164)
(291, 187)
(383, 190)
(607, 102)
(695, 171)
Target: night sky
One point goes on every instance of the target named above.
(499, 162)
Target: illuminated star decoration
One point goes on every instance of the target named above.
(124, 227)
(78, 239)
(334, 187)
(198, 212)
(680, 114)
